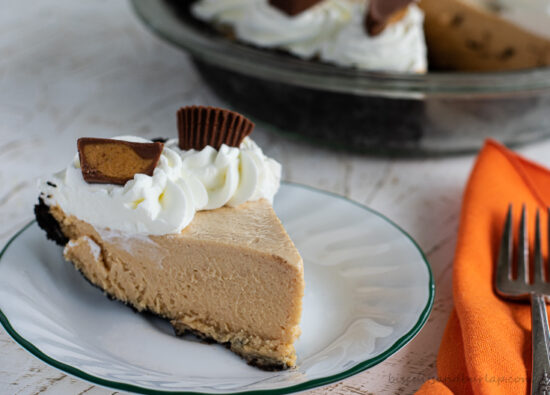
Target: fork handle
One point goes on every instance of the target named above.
(540, 381)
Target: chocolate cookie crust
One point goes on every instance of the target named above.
(48, 223)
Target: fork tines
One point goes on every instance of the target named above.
(520, 285)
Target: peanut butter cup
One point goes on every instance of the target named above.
(381, 13)
(199, 126)
(109, 161)
(293, 7)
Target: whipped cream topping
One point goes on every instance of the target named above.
(259, 23)
(531, 15)
(400, 46)
(230, 176)
(182, 183)
(333, 30)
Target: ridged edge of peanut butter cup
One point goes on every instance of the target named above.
(381, 13)
(293, 7)
(200, 126)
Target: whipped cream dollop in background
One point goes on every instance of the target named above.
(183, 183)
(333, 30)
(531, 15)
(400, 47)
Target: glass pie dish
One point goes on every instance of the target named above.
(374, 112)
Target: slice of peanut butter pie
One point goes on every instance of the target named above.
(185, 229)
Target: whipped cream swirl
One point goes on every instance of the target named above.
(259, 23)
(333, 30)
(182, 183)
(399, 47)
(230, 176)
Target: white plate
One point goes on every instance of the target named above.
(369, 290)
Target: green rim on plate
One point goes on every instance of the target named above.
(287, 390)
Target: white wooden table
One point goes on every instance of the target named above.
(88, 68)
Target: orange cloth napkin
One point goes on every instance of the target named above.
(486, 347)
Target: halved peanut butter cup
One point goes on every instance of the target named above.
(109, 161)
(382, 13)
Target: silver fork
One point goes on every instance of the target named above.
(520, 288)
